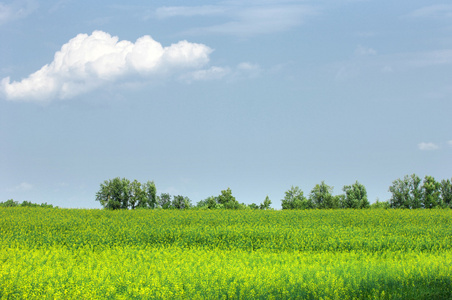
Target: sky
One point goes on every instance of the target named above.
(199, 96)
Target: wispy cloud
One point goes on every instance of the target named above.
(430, 58)
(427, 146)
(435, 11)
(243, 19)
(242, 70)
(16, 10)
(364, 51)
(24, 186)
(450, 143)
(367, 59)
(189, 11)
(87, 62)
(211, 73)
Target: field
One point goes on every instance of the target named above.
(219, 254)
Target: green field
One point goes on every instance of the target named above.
(221, 254)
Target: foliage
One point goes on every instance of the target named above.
(243, 254)
(355, 196)
(181, 202)
(223, 201)
(406, 192)
(294, 199)
(380, 204)
(120, 193)
(446, 193)
(12, 203)
(253, 206)
(321, 196)
(164, 200)
(227, 200)
(410, 192)
(430, 192)
(266, 204)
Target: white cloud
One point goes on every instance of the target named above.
(189, 11)
(435, 11)
(207, 74)
(242, 70)
(364, 51)
(16, 10)
(450, 143)
(244, 18)
(89, 61)
(24, 186)
(427, 146)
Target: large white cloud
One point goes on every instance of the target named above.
(89, 61)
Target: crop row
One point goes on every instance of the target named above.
(363, 230)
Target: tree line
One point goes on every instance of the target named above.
(410, 192)
(12, 203)
(121, 193)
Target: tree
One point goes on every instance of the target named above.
(227, 200)
(137, 196)
(164, 200)
(110, 193)
(294, 199)
(430, 192)
(446, 193)
(355, 196)
(211, 202)
(406, 193)
(181, 202)
(253, 206)
(266, 204)
(339, 201)
(9, 203)
(120, 193)
(321, 196)
(415, 191)
(380, 204)
(12, 203)
(151, 194)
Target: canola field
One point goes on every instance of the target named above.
(220, 254)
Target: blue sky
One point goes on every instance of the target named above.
(200, 96)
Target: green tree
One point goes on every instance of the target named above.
(137, 196)
(9, 203)
(355, 196)
(266, 204)
(111, 194)
(211, 202)
(446, 193)
(430, 192)
(321, 196)
(294, 199)
(380, 204)
(406, 193)
(253, 206)
(339, 201)
(227, 200)
(151, 194)
(120, 193)
(181, 202)
(164, 200)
